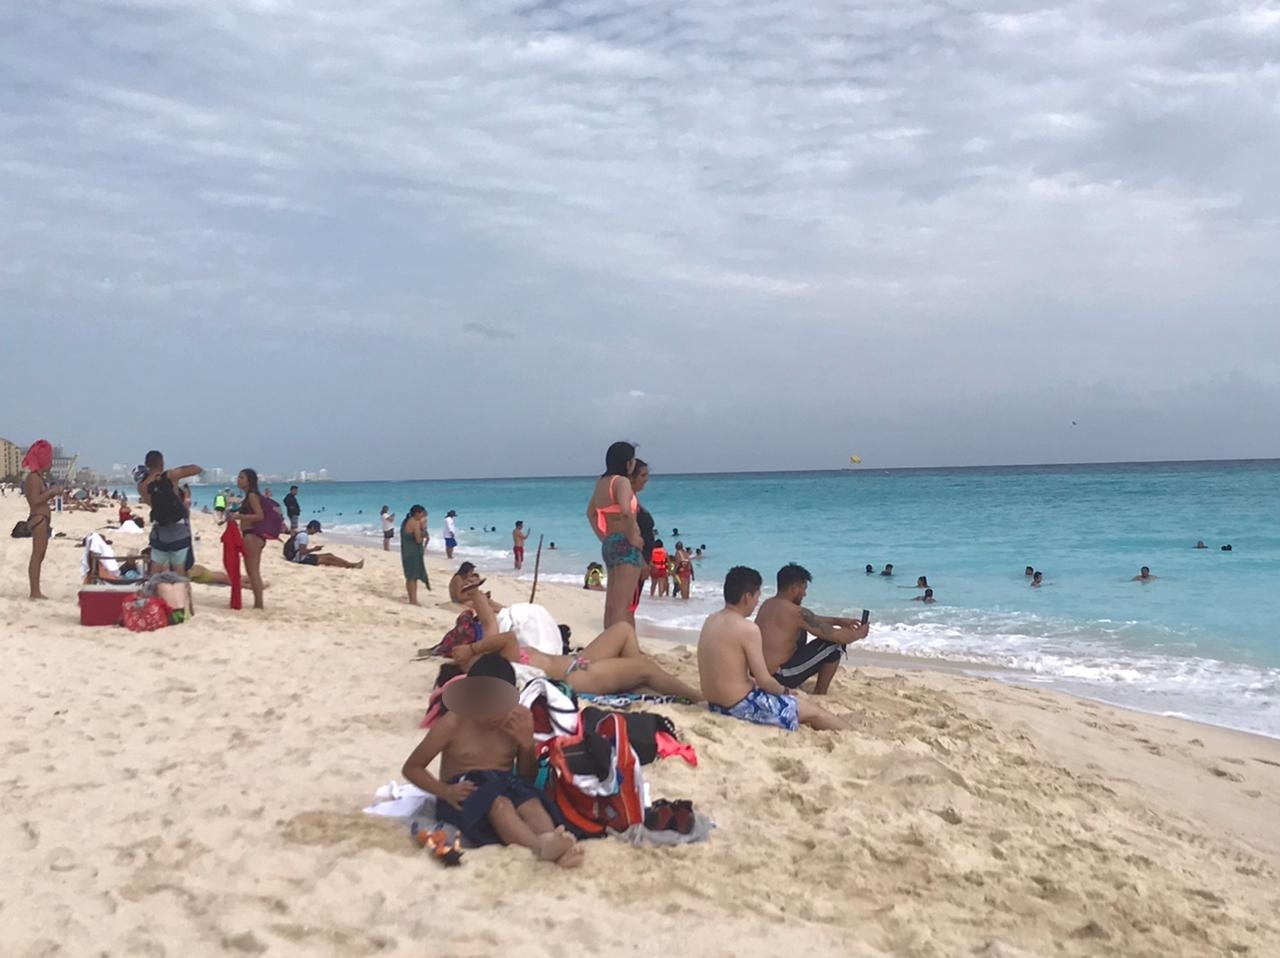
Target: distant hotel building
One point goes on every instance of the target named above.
(10, 460)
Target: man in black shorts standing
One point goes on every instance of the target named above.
(292, 509)
(785, 625)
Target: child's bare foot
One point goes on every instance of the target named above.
(573, 858)
(553, 846)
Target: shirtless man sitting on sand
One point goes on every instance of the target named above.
(784, 624)
(612, 663)
(732, 669)
(488, 765)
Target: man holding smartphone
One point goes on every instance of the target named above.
(785, 625)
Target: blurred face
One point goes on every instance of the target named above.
(797, 592)
(753, 600)
(243, 482)
(640, 479)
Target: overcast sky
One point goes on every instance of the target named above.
(403, 238)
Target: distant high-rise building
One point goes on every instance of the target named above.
(10, 460)
(323, 475)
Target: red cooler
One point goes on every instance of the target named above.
(100, 604)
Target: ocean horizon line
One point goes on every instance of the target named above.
(861, 469)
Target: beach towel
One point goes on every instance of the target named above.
(466, 630)
(624, 700)
(639, 835)
(554, 708)
(394, 800)
(232, 550)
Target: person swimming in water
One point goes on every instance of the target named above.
(871, 570)
(1037, 579)
(888, 570)
(926, 598)
(1144, 575)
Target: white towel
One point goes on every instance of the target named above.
(95, 545)
(534, 626)
(394, 800)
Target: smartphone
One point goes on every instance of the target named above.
(866, 616)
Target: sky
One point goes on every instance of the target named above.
(405, 238)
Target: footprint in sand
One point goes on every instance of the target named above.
(1223, 773)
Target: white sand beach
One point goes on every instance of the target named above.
(198, 791)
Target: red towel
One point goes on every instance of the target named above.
(39, 457)
(668, 746)
(232, 550)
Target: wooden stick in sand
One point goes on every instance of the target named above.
(537, 561)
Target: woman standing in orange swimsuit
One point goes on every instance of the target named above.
(612, 514)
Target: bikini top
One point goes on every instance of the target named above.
(613, 509)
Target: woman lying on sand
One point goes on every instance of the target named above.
(612, 662)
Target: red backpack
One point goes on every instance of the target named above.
(595, 779)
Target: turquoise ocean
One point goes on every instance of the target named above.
(1200, 642)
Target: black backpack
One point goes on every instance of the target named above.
(642, 729)
(20, 530)
(166, 504)
(290, 548)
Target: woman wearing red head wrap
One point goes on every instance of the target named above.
(39, 491)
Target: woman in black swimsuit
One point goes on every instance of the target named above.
(39, 492)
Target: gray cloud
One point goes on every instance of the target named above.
(487, 332)
(738, 205)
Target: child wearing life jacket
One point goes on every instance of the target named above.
(487, 766)
(658, 580)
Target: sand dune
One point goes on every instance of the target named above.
(198, 791)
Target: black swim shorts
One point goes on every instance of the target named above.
(809, 657)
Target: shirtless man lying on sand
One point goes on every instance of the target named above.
(487, 767)
(732, 669)
(612, 662)
(785, 623)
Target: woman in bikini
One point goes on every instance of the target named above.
(612, 514)
(612, 662)
(252, 512)
(39, 492)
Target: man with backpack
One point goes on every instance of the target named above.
(298, 548)
(170, 531)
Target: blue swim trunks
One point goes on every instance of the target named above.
(472, 819)
(763, 708)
